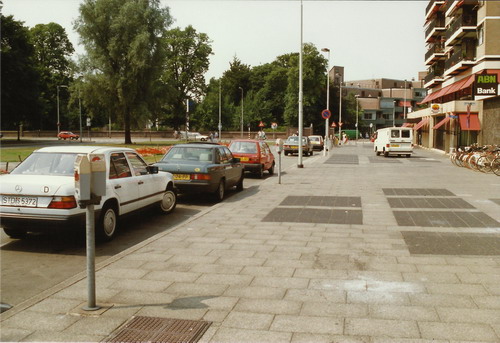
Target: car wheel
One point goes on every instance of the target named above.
(15, 233)
(271, 170)
(220, 192)
(377, 152)
(311, 153)
(107, 224)
(286, 154)
(239, 185)
(386, 153)
(168, 202)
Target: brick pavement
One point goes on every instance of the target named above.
(292, 263)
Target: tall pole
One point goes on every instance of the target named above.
(241, 111)
(404, 104)
(220, 109)
(80, 111)
(394, 113)
(58, 121)
(327, 127)
(357, 103)
(301, 93)
(340, 110)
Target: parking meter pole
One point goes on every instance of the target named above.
(90, 230)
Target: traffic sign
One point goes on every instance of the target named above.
(326, 114)
(334, 125)
(274, 126)
(340, 123)
(261, 124)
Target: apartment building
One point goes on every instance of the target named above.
(385, 102)
(463, 61)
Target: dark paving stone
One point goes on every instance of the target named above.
(313, 215)
(444, 219)
(378, 159)
(327, 201)
(429, 203)
(444, 243)
(417, 191)
(342, 159)
(496, 201)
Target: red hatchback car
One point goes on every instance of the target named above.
(67, 135)
(255, 155)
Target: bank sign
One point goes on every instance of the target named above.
(486, 84)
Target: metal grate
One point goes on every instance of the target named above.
(417, 191)
(343, 159)
(153, 329)
(327, 201)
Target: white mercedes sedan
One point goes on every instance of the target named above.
(39, 194)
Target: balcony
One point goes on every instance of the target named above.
(435, 27)
(461, 26)
(435, 52)
(460, 60)
(433, 78)
(433, 7)
(452, 5)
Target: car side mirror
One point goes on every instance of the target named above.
(152, 169)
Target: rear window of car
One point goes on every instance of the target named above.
(243, 147)
(177, 154)
(405, 133)
(44, 163)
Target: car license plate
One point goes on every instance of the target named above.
(394, 145)
(19, 201)
(295, 147)
(182, 177)
(244, 159)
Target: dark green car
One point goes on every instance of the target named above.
(203, 168)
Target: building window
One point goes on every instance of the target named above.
(480, 35)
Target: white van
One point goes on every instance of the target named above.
(394, 141)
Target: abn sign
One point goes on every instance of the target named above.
(486, 84)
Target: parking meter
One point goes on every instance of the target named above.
(82, 178)
(279, 145)
(98, 169)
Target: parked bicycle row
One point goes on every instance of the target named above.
(484, 158)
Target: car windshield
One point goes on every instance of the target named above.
(43, 163)
(243, 147)
(295, 139)
(314, 139)
(177, 154)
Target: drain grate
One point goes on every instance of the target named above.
(153, 329)
(417, 191)
(328, 201)
(429, 203)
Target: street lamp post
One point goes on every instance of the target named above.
(241, 111)
(301, 91)
(220, 109)
(58, 121)
(357, 104)
(394, 113)
(327, 128)
(404, 104)
(340, 110)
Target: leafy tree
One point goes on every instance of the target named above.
(19, 77)
(52, 54)
(125, 53)
(186, 62)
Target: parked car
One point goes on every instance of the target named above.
(394, 141)
(203, 167)
(39, 194)
(291, 145)
(255, 155)
(194, 136)
(67, 135)
(317, 142)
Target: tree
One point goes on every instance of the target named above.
(19, 77)
(52, 54)
(124, 43)
(186, 63)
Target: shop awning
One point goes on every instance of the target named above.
(420, 124)
(441, 123)
(455, 87)
(404, 103)
(469, 122)
(407, 125)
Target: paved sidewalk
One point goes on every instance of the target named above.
(351, 248)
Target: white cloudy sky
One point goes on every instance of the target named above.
(371, 39)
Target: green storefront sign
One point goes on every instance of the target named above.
(486, 84)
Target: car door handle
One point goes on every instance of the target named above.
(140, 182)
(118, 186)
